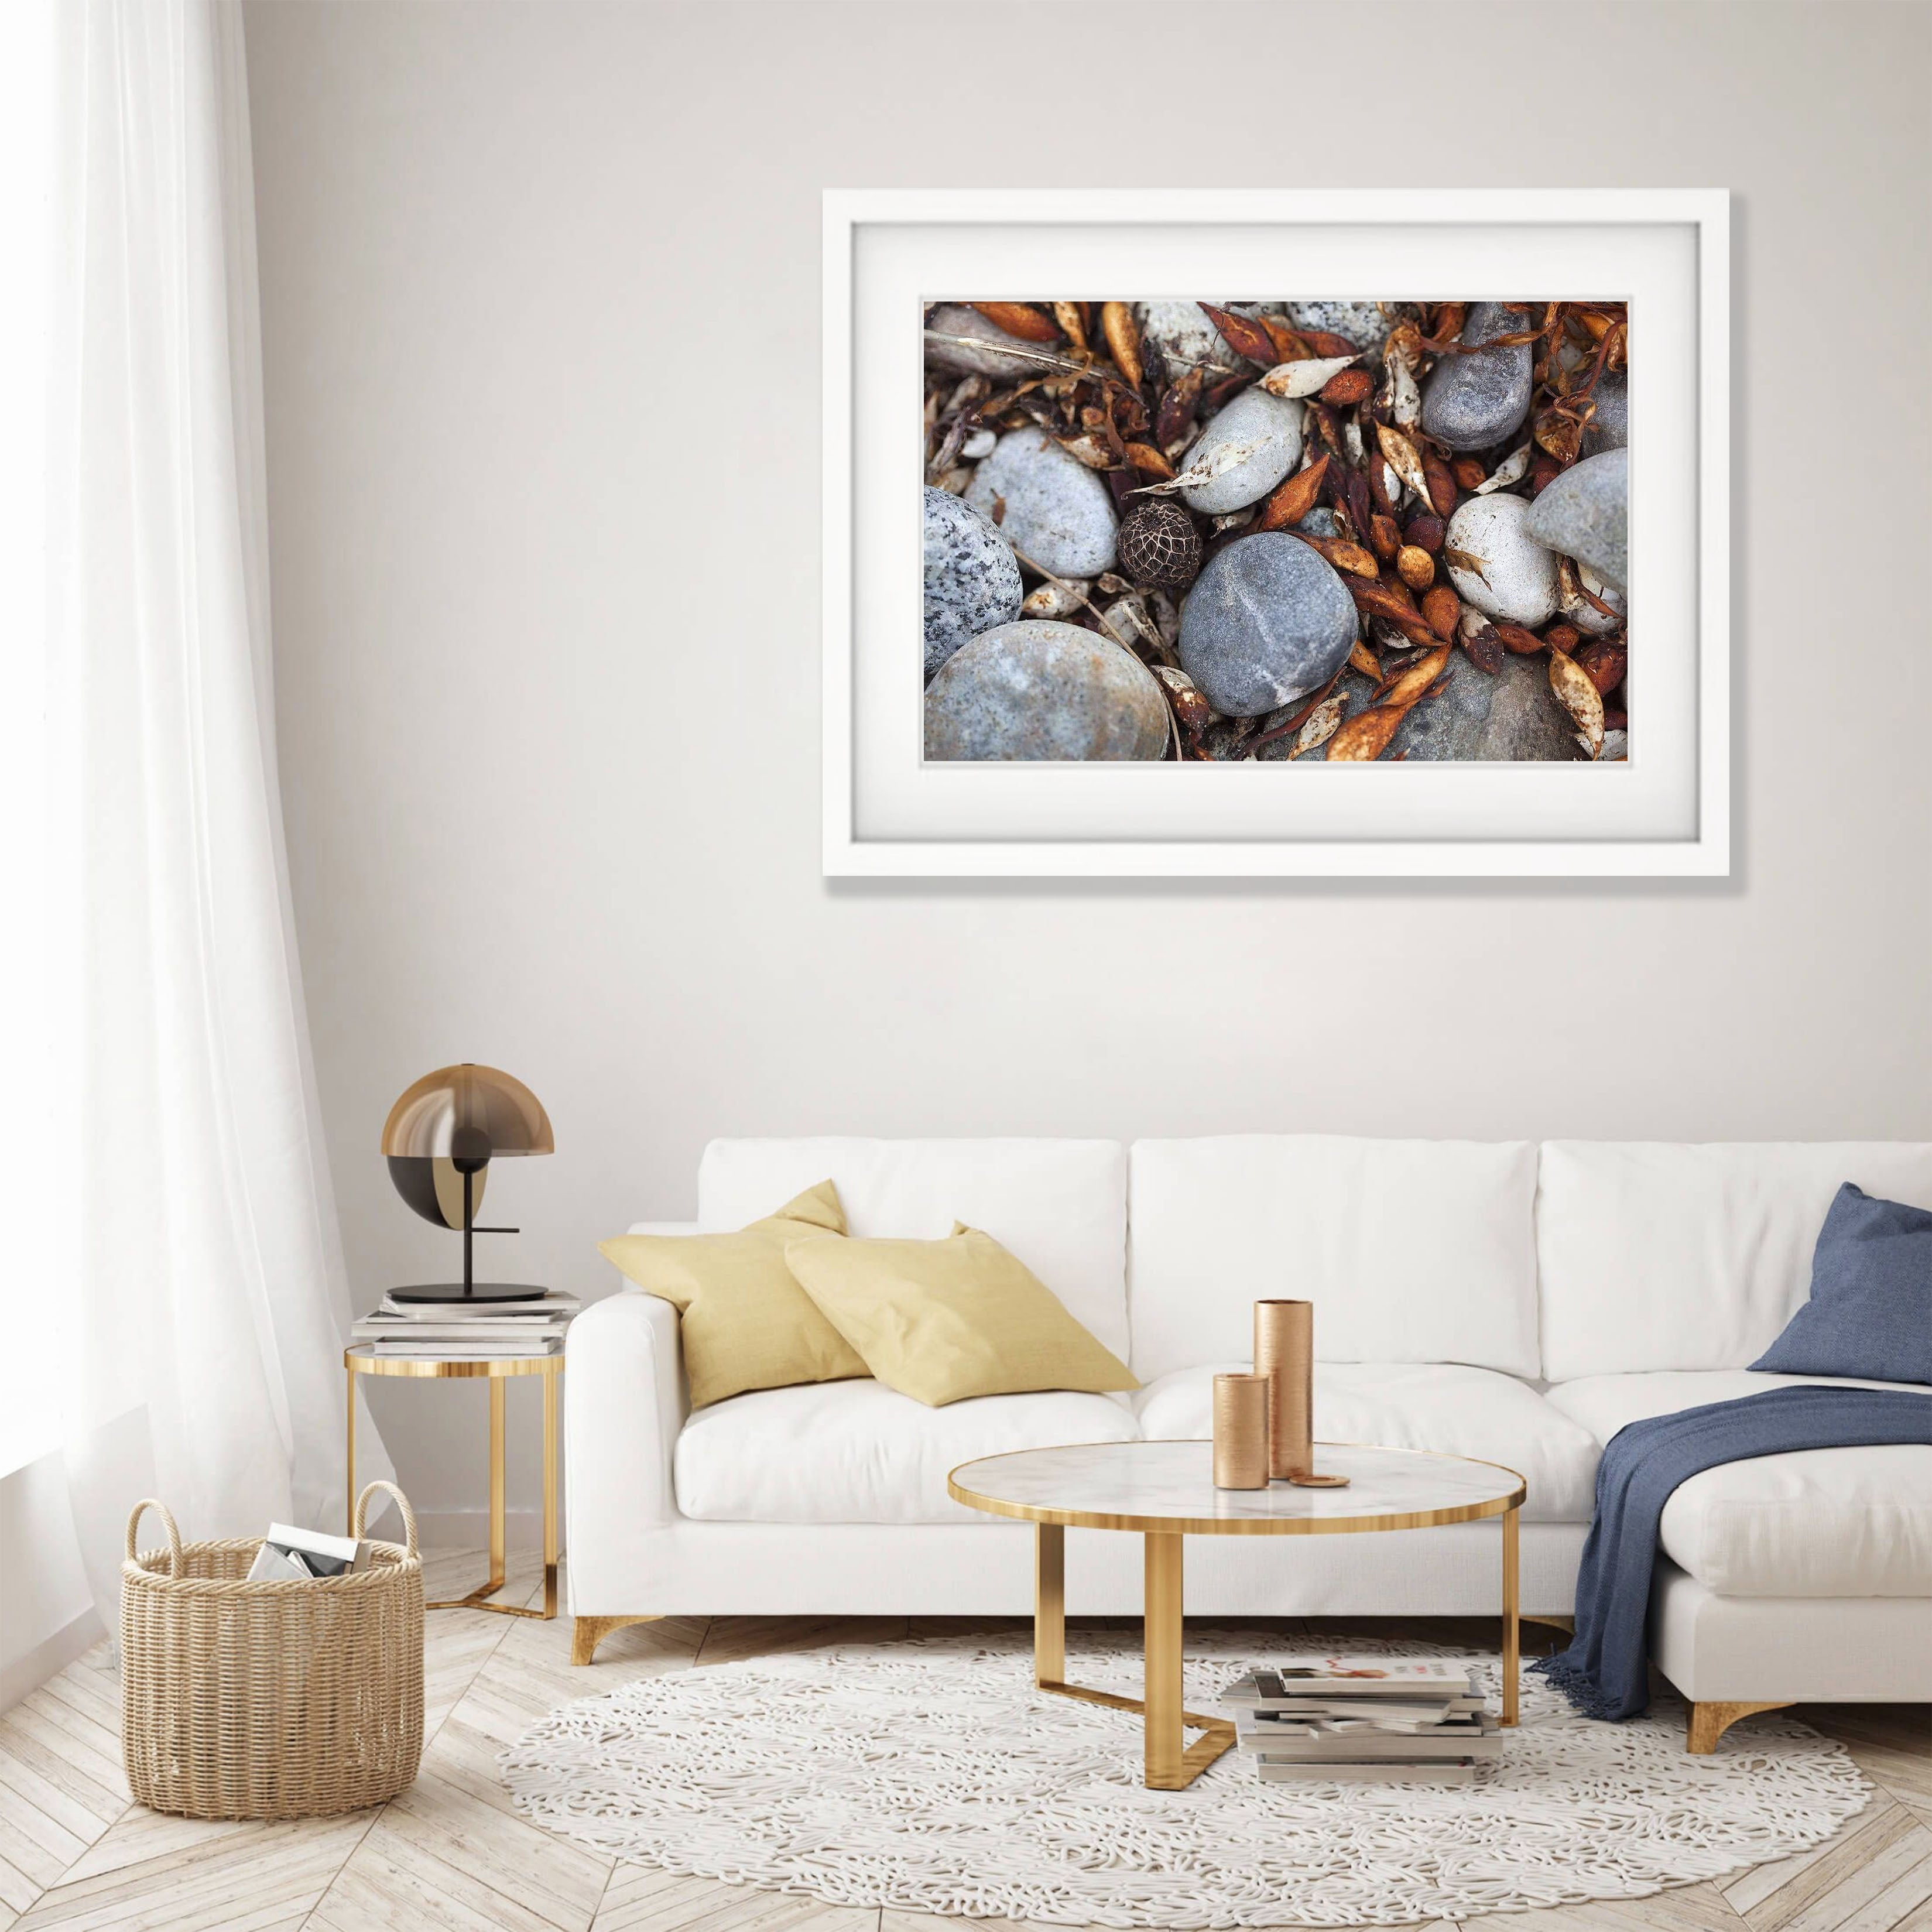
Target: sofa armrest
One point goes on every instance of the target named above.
(625, 1406)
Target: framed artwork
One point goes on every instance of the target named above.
(1272, 532)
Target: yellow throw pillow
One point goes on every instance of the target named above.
(744, 1321)
(941, 1321)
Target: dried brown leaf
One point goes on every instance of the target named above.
(1148, 460)
(1123, 340)
(1513, 469)
(1018, 319)
(1415, 681)
(1441, 485)
(1366, 736)
(1442, 610)
(1579, 697)
(1242, 334)
(1072, 321)
(1524, 643)
(1294, 498)
(1426, 530)
(1603, 662)
(1366, 662)
(1320, 725)
(1385, 539)
(1402, 456)
(1349, 558)
(1294, 381)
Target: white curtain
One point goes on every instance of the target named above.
(207, 1289)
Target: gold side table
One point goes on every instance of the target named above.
(362, 1361)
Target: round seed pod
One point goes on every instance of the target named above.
(1159, 544)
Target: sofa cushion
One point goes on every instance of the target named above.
(1812, 1522)
(1403, 1405)
(1655, 1256)
(1060, 1205)
(859, 1452)
(1411, 1251)
(1869, 1312)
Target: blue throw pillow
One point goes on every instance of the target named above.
(1871, 1310)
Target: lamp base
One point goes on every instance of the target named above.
(454, 1292)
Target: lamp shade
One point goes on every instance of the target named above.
(466, 1114)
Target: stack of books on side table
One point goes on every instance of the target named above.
(474, 1331)
(1417, 1719)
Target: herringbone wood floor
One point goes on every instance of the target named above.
(450, 1851)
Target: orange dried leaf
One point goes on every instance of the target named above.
(1294, 498)
(1148, 460)
(1345, 556)
(1072, 323)
(1366, 736)
(1019, 319)
(1416, 679)
(1123, 340)
(1442, 610)
(1366, 662)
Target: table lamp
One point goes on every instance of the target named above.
(439, 1140)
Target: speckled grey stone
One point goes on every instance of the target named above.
(1472, 401)
(1320, 522)
(956, 319)
(1182, 333)
(1058, 511)
(1585, 513)
(1034, 690)
(1518, 580)
(1361, 323)
(1512, 717)
(1267, 622)
(1610, 427)
(972, 583)
(1253, 416)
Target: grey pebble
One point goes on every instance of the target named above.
(972, 582)
(1362, 323)
(1610, 427)
(1320, 522)
(956, 319)
(1585, 513)
(1186, 338)
(1472, 401)
(1058, 512)
(1255, 417)
(1518, 581)
(1267, 622)
(1033, 690)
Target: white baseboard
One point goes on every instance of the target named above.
(469, 1528)
(25, 1675)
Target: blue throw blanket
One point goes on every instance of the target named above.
(1603, 1673)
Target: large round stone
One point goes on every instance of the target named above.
(1267, 622)
(1361, 323)
(1268, 428)
(1497, 565)
(972, 583)
(1058, 512)
(1043, 690)
(956, 319)
(1472, 401)
(1585, 513)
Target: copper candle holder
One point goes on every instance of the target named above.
(1240, 1432)
(1284, 1355)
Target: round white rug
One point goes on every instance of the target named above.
(931, 1776)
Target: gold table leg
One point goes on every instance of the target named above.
(349, 1500)
(498, 1504)
(1169, 1767)
(1512, 1630)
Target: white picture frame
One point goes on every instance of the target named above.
(1665, 812)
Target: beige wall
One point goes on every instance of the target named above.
(540, 287)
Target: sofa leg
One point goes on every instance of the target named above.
(1709, 1722)
(589, 1632)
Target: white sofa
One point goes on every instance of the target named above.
(1506, 1301)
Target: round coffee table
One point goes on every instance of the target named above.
(1165, 1490)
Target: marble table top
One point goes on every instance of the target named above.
(1169, 1486)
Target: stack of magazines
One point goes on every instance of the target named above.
(469, 1331)
(1419, 1720)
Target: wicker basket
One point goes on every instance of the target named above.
(269, 1700)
